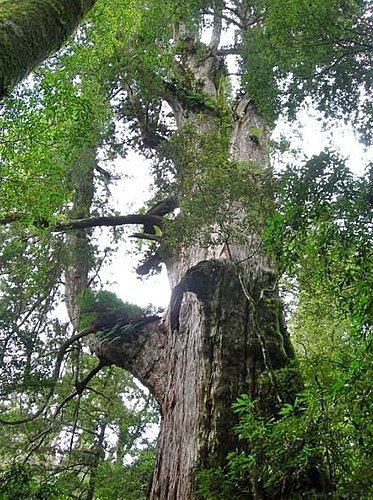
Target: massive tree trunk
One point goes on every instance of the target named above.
(222, 334)
(30, 31)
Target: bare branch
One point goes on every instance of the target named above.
(114, 220)
(78, 391)
(80, 386)
(227, 51)
(88, 222)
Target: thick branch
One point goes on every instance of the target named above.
(149, 220)
(139, 349)
(114, 220)
(228, 51)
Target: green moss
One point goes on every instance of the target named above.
(30, 30)
(106, 306)
(256, 133)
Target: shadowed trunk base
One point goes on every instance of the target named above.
(221, 337)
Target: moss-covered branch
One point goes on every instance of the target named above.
(88, 222)
(31, 30)
(138, 347)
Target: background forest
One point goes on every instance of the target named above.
(175, 81)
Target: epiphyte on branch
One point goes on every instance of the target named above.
(105, 309)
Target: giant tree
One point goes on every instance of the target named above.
(223, 333)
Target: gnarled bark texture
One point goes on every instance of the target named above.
(221, 332)
(214, 349)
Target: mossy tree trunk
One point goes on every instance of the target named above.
(30, 31)
(77, 248)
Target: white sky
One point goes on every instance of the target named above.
(307, 134)
(129, 196)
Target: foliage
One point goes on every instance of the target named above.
(30, 271)
(50, 119)
(100, 431)
(103, 306)
(117, 75)
(216, 484)
(320, 236)
(130, 482)
(326, 424)
(318, 50)
(201, 165)
(323, 221)
(49, 126)
(19, 481)
(320, 239)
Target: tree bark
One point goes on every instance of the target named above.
(78, 252)
(223, 334)
(218, 344)
(30, 31)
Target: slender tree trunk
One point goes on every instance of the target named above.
(98, 455)
(78, 254)
(30, 31)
